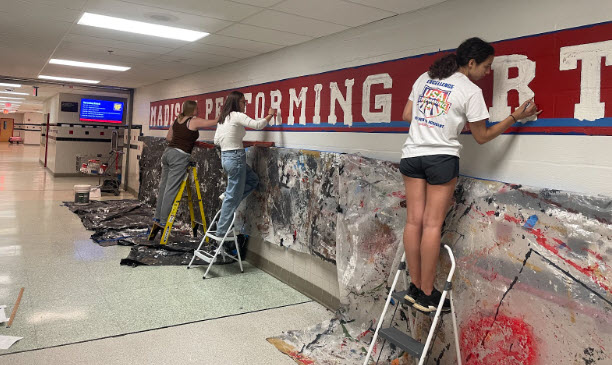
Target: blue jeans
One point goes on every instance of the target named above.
(174, 168)
(241, 181)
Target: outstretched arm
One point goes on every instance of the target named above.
(483, 134)
(199, 123)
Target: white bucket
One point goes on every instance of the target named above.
(81, 194)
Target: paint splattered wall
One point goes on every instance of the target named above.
(533, 265)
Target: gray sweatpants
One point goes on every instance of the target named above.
(174, 167)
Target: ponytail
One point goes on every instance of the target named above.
(443, 67)
(473, 48)
(189, 107)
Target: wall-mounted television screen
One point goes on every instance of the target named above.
(101, 111)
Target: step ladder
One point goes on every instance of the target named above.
(210, 257)
(400, 339)
(186, 184)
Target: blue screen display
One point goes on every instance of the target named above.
(102, 111)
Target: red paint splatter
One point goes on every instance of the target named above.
(477, 211)
(512, 219)
(361, 204)
(588, 271)
(562, 244)
(508, 341)
(596, 254)
(398, 194)
(300, 359)
(490, 213)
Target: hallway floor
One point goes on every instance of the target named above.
(81, 306)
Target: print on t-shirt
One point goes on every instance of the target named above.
(433, 101)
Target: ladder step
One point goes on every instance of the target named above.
(219, 238)
(206, 257)
(413, 347)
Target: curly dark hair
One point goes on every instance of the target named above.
(473, 48)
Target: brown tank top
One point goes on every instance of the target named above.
(183, 138)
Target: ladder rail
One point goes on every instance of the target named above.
(436, 318)
(447, 288)
(382, 316)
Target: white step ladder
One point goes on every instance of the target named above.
(400, 339)
(210, 257)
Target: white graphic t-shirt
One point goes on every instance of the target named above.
(440, 109)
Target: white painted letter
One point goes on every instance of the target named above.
(345, 103)
(248, 97)
(380, 101)
(260, 98)
(177, 110)
(590, 106)
(160, 119)
(209, 107)
(219, 106)
(502, 84)
(298, 102)
(153, 118)
(275, 103)
(317, 113)
(166, 114)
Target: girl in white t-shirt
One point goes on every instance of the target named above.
(442, 100)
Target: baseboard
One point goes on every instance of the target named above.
(305, 287)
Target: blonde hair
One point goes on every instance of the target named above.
(189, 106)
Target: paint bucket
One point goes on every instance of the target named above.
(81, 194)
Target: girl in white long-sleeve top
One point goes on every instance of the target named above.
(241, 180)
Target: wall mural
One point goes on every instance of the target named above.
(533, 272)
(567, 70)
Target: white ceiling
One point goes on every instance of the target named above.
(34, 31)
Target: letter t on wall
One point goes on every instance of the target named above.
(590, 106)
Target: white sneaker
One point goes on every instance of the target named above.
(222, 197)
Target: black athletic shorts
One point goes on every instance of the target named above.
(436, 169)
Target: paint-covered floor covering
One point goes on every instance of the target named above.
(76, 291)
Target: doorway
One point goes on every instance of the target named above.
(6, 129)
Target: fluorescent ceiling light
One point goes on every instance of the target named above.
(84, 81)
(9, 85)
(7, 97)
(132, 26)
(13, 93)
(100, 66)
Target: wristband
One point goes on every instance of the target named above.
(515, 121)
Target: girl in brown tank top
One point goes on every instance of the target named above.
(181, 138)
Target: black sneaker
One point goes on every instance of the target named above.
(429, 303)
(413, 293)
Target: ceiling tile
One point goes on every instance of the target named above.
(328, 10)
(190, 57)
(264, 35)
(68, 4)
(115, 44)
(69, 50)
(260, 3)
(239, 43)
(40, 12)
(217, 50)
(398, 6)
(219, 9)
(293, 23)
